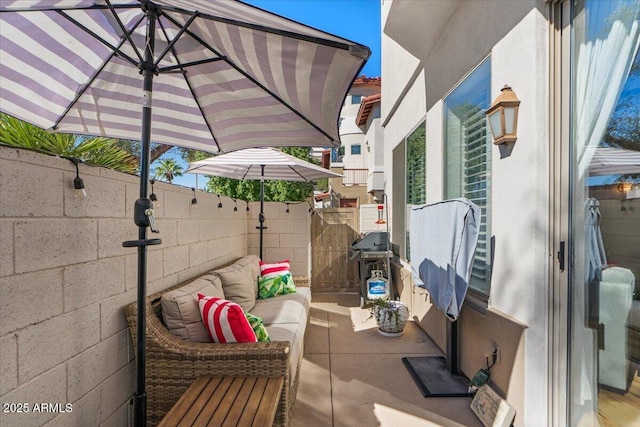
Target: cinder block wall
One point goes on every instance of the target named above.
(287, 235)
(65, 278)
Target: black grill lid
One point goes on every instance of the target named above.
(372, 241)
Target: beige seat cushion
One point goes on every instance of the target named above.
(284, 308)
(180, 309)
(240, 281)
(294, 334)
(276, 310)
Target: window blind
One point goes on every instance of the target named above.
(476, 185)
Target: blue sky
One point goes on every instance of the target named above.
(355, 20)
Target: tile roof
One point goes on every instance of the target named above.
(365, 108)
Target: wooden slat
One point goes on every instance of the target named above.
(215, 402)
(184, 403)
(248, 417)
(227, 401)
(225, 406)
(210, 396)
(244, 397)
(333, 230)
(266, 409)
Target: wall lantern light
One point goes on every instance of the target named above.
(503, 116)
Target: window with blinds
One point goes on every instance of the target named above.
(409, 165)
(468, 160)
(416, 176)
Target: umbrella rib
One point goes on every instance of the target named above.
(172, 43)
(190, 64)
(254, 81)
(63, 8)
(186, 80)
(298, 173)
(247, 172)
(124, 31)
(114, 51)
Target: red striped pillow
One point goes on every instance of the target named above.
(274, 269)
(225, 321)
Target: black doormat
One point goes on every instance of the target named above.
(434, 379)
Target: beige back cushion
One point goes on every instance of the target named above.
(252, 265)
(180, 307)
(240, 281)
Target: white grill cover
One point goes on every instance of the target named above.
(443, 242)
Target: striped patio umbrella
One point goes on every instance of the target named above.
(212, 75)
(260, 163)
(614, 161)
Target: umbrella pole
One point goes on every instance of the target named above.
(261, 216)
(143, 218)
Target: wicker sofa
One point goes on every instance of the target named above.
(174, 360)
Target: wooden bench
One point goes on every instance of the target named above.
(227, 401)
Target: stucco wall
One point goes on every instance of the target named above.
(65, 277)
(515, 35)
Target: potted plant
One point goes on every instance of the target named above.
(390, 315)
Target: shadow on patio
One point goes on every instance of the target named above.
(351, 375)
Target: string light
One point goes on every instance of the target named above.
(235, 208)
(78, 184)
(219, 202)
(287, 207)
(247, 205)
(153, 196)
(194, 201)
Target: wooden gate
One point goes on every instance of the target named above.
(332, 232)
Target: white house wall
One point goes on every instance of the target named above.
(409, 114)
(395, 78)
(515, 35)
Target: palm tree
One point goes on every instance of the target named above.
(92, 150)
(167, 170)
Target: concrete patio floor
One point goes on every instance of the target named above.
(353, 376)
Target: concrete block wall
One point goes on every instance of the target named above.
(65, 278)
(287, 235)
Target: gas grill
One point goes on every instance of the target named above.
(372, 252)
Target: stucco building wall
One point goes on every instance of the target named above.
(430, 57)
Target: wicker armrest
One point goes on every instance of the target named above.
(302, 281)
(173, 363)
(160, 340)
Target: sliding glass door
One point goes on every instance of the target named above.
(603, 199)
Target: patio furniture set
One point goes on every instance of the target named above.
(179, 349)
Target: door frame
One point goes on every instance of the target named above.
(559, 306)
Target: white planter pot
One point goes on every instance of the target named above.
(391, 320)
